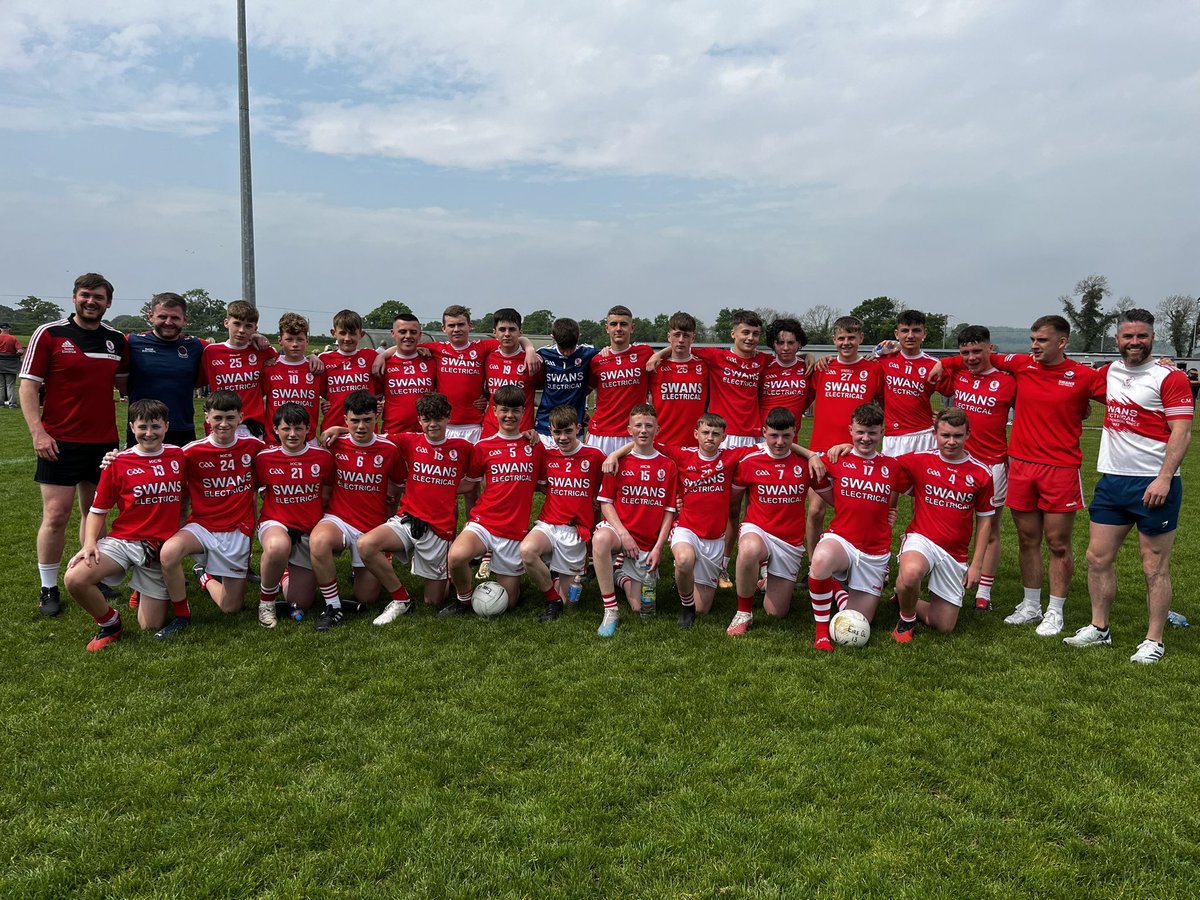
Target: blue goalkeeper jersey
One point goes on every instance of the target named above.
(566, 382)
(166, 371)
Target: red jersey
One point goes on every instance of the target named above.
(77, 368)
(987, 399)
(221, 483)
(512, 467)
(735, 382)
(775, 489)
(642, 490)
(361, 476)
(621, 382)
(947, 496)
(345, 374)
(406, 379)
(679, 392)
(500, 370)
(786, 386)
(862, 493)
(705, 485)
(238, 369)
(292, 485)
(906, 393)
(147, 492)
(572, 482)
(434, 472)
(292, 382)
(460, 376)
(837, 392)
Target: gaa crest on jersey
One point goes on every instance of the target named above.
(136, 471)
(246, 459)
(277, 472)
(361, 362)
(633, 357)
(453, 454)
(662, 473)
(110, 346)
(862, 375)
(253, 358)
(992, 385)
(182, 351)
(583, 464)
(578, 362)
(315, 469)
(797, 471)
(970, 481)
(175, 466)
(472, 354)
(379, 460)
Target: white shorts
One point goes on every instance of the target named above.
(470, 433)
(147, 578)
(427, 555)
(350, 536)
(634, 568)
(899, 444)
(568, 554)
(225, 554)
(300, 555)
(999, 483)
(710, 554)
(783, 559)
(867, 573)
(608, 444)
(740, 440)
(945, 572)
(506, 553)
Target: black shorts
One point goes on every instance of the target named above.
(180, 438)
(76, 462)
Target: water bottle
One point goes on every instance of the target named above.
(649, 590)
(1177, 620)
(575, 590)
(297, 613)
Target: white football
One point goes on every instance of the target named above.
(489, 600)
(850, 628)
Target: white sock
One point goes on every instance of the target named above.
(1033, 595)
(1056, 603)
(49, 574)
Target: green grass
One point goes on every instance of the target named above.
(505, 758)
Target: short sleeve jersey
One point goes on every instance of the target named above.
(147, 491)
(862, 493)
(511, 468)
(679, 392)
(704, 486)
(77, 367)
(947, 496)
(406, 379)
(907, 390)
(292, 382)
(837, 392)
(564, 382)
(434, 473)
(621, 382)
(987, 399)
(460, 376)
(643, 488)
(292, 485)
(166, 371)
(1141, 401)
(221, 483)
(775, 489)
(346, 373)
(239, 369)
(572, 481)
(361, 476)
(733, 384)
(501, 370)
(786, 386)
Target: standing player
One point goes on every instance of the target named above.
(508, 364)
(908, 414)
(786, 381)
(407, 376)
(952, 496)
(348, 367)
(76, 361)
(291, 379)
(1147, 429)
(237, 365)
(621, 381)
(566, 367)
(679, 385)
(164, 364)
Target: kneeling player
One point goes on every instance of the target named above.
(145, 483)
(422, 529)
(952, 491)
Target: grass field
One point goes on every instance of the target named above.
(505, 758)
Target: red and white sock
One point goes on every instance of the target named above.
(268, 594)
(688, 599)
(610, 602)
(108, 618)
(330, 593)
(985, 587)
(820, 592)
(841, 598)
(464, 599)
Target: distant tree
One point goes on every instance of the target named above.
(878, 316)
(34, 311)
(540, 321)
(723, 325)
(592, 332)
(818, 323)
(7, 314)
(1089, 321)
(935, 329)
(485, 324)
(1176, 318)
(384, 315)
(129, 324)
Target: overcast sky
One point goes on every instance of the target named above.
(974, 158)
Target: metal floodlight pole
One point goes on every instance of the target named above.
(244, 153)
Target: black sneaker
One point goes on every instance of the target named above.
(49, 604)
(110, 593)
(454, 608)
(687, 617)
(328, 618)
(554, 609)
(172, 628)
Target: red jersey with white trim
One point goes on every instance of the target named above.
(862, 493)
(947, 496)
(679, 392)
(621, 382)
(987, 399)
(147, 492)
(734, 382)
(434, 473)
(361, 476)
(499, 370)
(643, 488)
(221, 483)
(460, 376)
(906, 393)
(837, 392)
(346, 373)
(406, 379)
(704, 485)
(511, 467)
(572, 481)
(787, 386)
(238, 369)
(292, 485)
(292, 382)
(77, 367)
(775, 489)
(1141, 400)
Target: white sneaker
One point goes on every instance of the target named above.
(394, 610)
(266, 614)
(740, 624)
(1089, 636)
(1148, 652)
(1052, 623)
(1027, 611)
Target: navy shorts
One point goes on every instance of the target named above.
(1118, 501)
(75, 463)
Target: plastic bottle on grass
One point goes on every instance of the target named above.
(649, 590)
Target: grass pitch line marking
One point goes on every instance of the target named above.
(15, 461)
